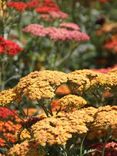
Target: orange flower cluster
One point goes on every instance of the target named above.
(111, 45)
(58, 129)
(73, 115)
(9, 125)
(26, 148)
(43, 85)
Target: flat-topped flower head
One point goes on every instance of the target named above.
(71, 26)
(26, 148)
(110, 148)
(9, 47)
(71, 102)
(19, 6)
(81, 80)
(105, 122)
(40, 85)
(7, 96)
(57, 33)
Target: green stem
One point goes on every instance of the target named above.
(81, 146)
(107, 138)
(41, 104)
(2, 73)
(67, 56)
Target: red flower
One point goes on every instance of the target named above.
(47, 6)
(9, 125)
(9, 47)
(110, 149)
(111, 45)
(12, 48)
(5, 113)
(19, 6)
(33, 4)
(103, 1)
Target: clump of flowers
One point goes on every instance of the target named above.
(9, 125)
(104, 121)
(9, 47)
(71, 102)
(43, 84)
(19, 6)
(26, 148)
(106, 28)
(66, 32)
(109, 147)
(104, 1)
(7, 96)
(75, 115)
(106, 70)
(47, 9)
(112, 44)
(50, 10)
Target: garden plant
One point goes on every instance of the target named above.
(58, 78)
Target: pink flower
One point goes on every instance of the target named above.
(110, 149)
(71, 26)
(55, 33)
(36, 30)
(105, 70)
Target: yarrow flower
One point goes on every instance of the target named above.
(32, 4)
(55, 33)
(19, 6)
(110, 148)
(7, 126)
(111, 45)
(48, 9)
(9, 47)
(47, 6)
(103, 1)
(106, 70)
(5, 112)
(71, 26)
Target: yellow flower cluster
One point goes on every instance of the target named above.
(105, 122)
(7, 96)
(24, 134)
(107, 80)
(70, 102)
(25, 148)
(41, 85)
(59, 128)
(74, 117)
(81, 80)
